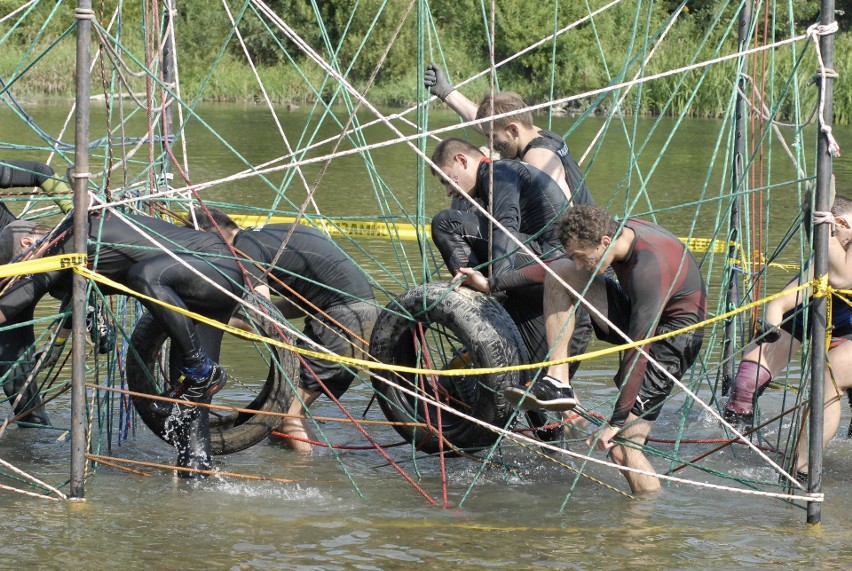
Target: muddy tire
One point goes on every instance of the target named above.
(148, 371)
(461, 328)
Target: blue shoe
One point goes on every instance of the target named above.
(547, 393)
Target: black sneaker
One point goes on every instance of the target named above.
(742, 421)
(546, 392)
(192, 390)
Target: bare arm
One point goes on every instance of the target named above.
(466, 108)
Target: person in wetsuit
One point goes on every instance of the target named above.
(527, 203)
(311, 278)
(515, 136)
(119, 251)
(659, 290)
(779, 334)
(17, 352)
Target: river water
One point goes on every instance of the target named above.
(350, 508)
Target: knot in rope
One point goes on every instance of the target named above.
(84, 13)
(817, 30)
(820, 286)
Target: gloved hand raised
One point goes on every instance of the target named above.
(436, 81)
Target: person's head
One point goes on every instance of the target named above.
(459, 160)
(586, 232)
(208, 223)
(510, 133)
(842, 211)
(18, 236)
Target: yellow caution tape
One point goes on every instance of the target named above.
(41, 265)
(360, 228)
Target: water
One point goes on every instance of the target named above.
(350, 509)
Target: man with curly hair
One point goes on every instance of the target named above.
(659, 290)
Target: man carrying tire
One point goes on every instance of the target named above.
(314, 279)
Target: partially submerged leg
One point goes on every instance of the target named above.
(630, 455)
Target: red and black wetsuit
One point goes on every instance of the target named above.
(659, 289)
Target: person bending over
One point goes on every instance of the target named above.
(515, 136)
(659, 290)
(311, 278)
(527, 203)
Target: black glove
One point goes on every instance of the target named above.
(436, 81)
(765, 332)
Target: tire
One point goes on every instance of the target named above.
(463, 328)
(148, 372)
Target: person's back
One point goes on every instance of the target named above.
(311, 264)
(573, 175)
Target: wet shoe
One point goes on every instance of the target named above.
(742, 421)
(546, 392)
(192, 390)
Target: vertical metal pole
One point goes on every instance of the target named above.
(736, 183)
(168, 71)
(84, 15)
(818, 309)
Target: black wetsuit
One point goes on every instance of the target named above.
(117, 251)
(527, 202)
(16, 341)
(659, 289)
(342, 306)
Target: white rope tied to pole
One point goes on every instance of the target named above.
(814, 32)
(84, 13)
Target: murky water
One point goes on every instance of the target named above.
(350, 508)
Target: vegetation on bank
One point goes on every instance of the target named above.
(358, 31)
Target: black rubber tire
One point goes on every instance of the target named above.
(229, 432)
(460, 321)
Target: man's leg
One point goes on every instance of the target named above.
(343, 331)
(759, 365)
(636, 430)
(840, 367)
(457, 235)
(553, 390)
(168, 280)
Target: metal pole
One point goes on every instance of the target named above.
(168, 71)
(821, 238)
(80, 182)
(736, 181)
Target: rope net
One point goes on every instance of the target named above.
(334, 160)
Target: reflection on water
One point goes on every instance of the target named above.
(350, 508)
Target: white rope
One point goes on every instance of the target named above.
(16, 10)
(33, 479)
(815, 497)
(814, 32)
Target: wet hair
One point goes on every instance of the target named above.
(585, 225)
(448, 148)
(222, 220)
(505, 102)
(10, 238)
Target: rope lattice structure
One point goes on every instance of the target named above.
(336, 161)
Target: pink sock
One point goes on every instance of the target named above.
(751, 377)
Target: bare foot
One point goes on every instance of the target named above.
(299, 435)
